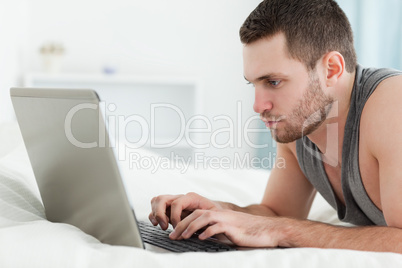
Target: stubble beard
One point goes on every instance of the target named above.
(309, 113)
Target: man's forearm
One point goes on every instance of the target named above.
(257, 209)
(304, 233)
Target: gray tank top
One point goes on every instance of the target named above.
(358, 208)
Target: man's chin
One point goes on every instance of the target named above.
(285, 137)
(283, 141)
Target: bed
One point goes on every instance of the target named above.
(27, 239)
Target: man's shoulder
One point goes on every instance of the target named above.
(382, 111)
(385, 97)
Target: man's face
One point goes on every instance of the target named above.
(289, 99)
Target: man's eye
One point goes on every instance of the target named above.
(274, 82)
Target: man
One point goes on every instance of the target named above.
(338, 130)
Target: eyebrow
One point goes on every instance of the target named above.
(266, 77)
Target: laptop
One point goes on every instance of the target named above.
(77, 173)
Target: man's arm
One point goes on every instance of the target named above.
(383, 113)
(258, 231)
(288, 193)
(321, 235)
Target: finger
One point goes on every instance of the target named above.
(152, 219)
(197, 220)
(158, 212)
(189, 202)
(202, 222)
(159, 205)
(212, 230)
(182, 226)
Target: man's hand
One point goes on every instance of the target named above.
(173, 208)
(240, 228)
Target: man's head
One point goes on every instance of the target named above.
(295, 54)
(289, 98)
(311, 27)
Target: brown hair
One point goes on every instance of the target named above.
(311, 27)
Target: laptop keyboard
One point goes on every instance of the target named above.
(160, 238)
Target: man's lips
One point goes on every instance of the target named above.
(271, 124)
(271, 121)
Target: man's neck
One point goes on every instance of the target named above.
(329, 136)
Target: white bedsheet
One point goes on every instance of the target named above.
(27, 239)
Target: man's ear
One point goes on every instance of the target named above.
(334, 64)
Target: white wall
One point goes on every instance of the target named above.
(377, 27)
(13, 22)
(176, 37)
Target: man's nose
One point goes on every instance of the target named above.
(262, 101)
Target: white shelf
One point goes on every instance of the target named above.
(35, 78)
(133, 95)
